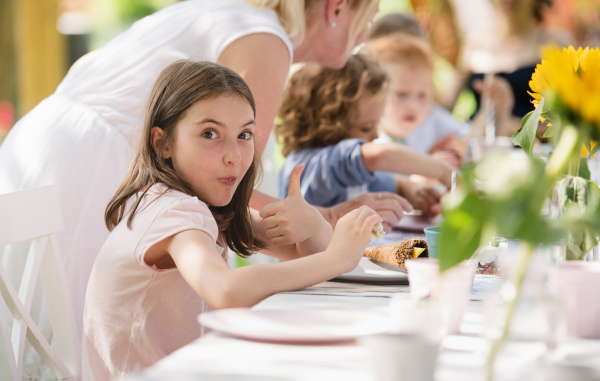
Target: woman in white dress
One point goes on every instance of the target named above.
(80, 138)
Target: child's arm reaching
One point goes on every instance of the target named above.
(196, 256)
(449, 149)
(396, 158)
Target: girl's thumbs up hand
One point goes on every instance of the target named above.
(294, 187)
(292, 220)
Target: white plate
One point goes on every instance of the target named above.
(370, 272)
(296, 325)
(417, 223)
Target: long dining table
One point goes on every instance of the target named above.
(220, 356)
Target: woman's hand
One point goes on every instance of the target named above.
(389, 206)
(351, 235)
(292, 219)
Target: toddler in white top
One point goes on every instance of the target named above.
(411, 117)
(182, 203)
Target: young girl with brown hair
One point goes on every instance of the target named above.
(182, 204)
(328, 121)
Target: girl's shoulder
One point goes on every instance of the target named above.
(168, 210)
(160, 198)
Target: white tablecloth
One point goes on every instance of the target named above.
(218, 356)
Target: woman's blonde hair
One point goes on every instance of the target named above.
(178, 87)
(292, 13)
(318, 104)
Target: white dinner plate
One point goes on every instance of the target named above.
(370, 272)
(295, 325)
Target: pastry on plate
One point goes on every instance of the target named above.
(396, 254)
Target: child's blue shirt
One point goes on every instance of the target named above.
(334, 174)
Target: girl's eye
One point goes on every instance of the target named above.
(246, 135)
(401, 95)
(210, 134)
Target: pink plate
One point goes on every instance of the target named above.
(296, 325)
(417, 223)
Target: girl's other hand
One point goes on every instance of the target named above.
(351, 236)
(291, 220)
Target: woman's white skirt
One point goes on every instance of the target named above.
(66, 144)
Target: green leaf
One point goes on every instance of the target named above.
(462, 231)
(550, 132)
(580, 199)
(525, 137)
(584, 170)
(525, 119)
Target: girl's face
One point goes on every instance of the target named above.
(368, 112)
(409, 99)
(213, 147)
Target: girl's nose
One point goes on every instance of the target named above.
(232, 154)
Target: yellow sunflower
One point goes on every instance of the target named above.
(572, 75)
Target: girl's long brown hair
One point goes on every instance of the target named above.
(176, 89)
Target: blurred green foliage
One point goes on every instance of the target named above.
(111, 17)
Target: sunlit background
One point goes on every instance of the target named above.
(40, 40)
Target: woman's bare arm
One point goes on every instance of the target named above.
(263, 61)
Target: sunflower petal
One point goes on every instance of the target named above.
(573, 58)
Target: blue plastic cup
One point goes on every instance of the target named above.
(433, 235)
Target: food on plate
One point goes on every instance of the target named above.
(396, 254)
(488, 256)
(377, 232)
(487, 261)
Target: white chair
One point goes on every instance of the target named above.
(34, 215)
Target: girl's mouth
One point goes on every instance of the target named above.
(230, 181)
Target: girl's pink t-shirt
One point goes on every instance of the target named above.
(136, 314)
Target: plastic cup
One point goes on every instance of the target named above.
(433, 234)
(452, 289)
(398, 356)
(576, 283)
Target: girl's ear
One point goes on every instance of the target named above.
(156, 136)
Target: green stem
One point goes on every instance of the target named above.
(573, 168)
(518, 281)
(560, 161)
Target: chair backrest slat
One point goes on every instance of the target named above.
(28, 214)
(34, 215)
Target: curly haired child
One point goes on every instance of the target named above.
(328, 121)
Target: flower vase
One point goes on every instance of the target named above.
(524, 303)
